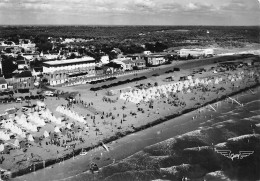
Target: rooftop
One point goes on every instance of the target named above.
(2, 80)
(37, 69)
(24, 74)
(127, 61)
(155, 55)
(70, 61)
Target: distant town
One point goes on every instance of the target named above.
(24, 67)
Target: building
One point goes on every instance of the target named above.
(99, 70)
(60, 71)
(147, 52)
(37, 71)
(22, 64)
(23, 80)
(31, 56)
(135, 56)
(1, 71)
(128, 64)
(140, 63)
(195, 53)
(155, 59)
(113, 67)
(138, 59)
(3, 84)
(104, 59)
(27, 45)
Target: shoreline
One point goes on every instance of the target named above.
(119, 135)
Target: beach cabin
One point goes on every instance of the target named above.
(3, 116)
(3, 83)
(29, 109)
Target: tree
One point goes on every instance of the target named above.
(44, 46)
(112, 55)
(35, 63)
(8, 50)
(7, 65)
(159, 47)
(81, 51)
(189, 57)
(72, 56)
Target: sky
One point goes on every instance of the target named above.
(130, 12)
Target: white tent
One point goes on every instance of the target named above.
(46, 134)
(16, 143)
(30, 137)
(56, 129)
(2, 147)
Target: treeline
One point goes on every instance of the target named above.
(135, 34)
(131, 39)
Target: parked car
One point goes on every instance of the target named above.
(49, 93)
(18, 100)
(71, 99)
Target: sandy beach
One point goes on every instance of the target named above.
(118, 117)
(77, 168)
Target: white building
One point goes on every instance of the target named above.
(196, 52)
(104, 59)
(68, 65)
(27, 45)
(155, 59)
(147, 52)
(60, 71)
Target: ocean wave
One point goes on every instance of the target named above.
(256, 117)
(255, 111)
(253, 102)
(227, 121)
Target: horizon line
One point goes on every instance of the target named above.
(120, 25)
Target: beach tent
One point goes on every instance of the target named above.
(16, 143)
(46, 134)
(69, 125)
(30, 137)
(56, 129)
(2, 147)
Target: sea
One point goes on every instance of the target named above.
(77, 168)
